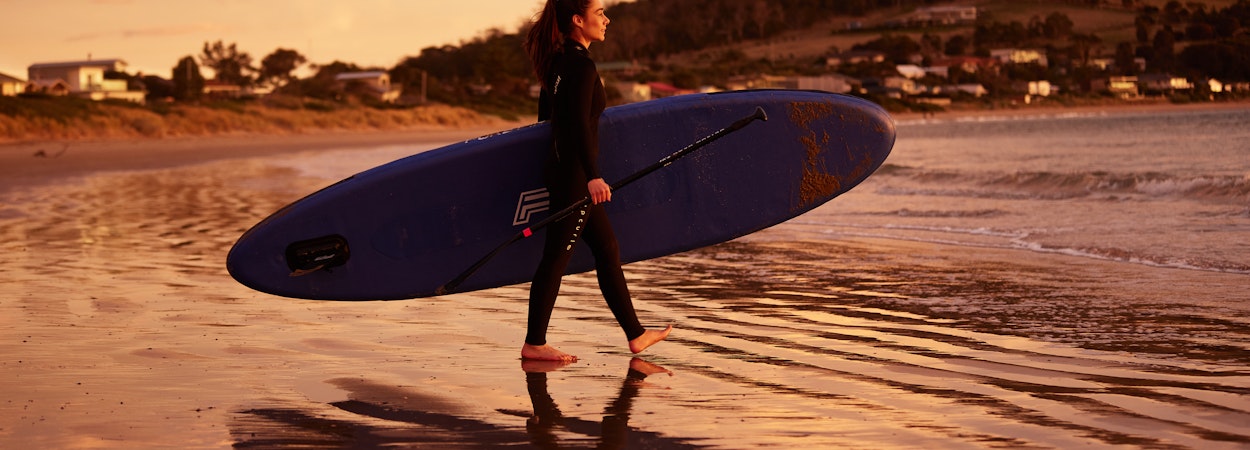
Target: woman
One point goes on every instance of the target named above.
(573, 98)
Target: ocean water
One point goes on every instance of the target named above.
(1159, 189)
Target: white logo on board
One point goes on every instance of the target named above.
(530, 203)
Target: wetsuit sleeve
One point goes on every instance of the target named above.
(580, 133)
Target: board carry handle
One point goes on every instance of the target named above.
(308, 256)
(451, 286)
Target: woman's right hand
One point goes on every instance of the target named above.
(600, 192)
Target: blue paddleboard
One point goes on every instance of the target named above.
(403, 229)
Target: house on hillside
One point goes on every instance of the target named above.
(375, 83)
(1215, 86)
(56, 88)
(1238, 86)
(1109, 63)
(1039, 88)
(1028, 92)
(85, 79)
(855, 57)
(221, 89)
(1020, 56)
(1122, 87)
(893, 87)
(975, 90)
(745, 82)
(661, 90)
(911, 71)
(623, 68)
(1102, 63)
(630, 91)
(10, 86)
(1162, 84)
(836, 83)
(943, 15)
(968, 64)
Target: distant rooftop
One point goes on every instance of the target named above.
(359, 75)
(10, 79)
(109, 63)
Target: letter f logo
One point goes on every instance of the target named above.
(530, 203)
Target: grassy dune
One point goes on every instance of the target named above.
(56, 119)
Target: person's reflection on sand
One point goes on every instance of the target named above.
(547, 416)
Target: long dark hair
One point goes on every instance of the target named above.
(552, 27)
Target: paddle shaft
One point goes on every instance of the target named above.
(451, 286)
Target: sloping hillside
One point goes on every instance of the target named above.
(1113, 25)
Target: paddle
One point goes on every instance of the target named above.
(451, 286)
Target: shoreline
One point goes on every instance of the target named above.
(1050, 109)
(33, 163)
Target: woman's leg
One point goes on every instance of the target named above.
(603, 245)
(602, 241)
(545, 287)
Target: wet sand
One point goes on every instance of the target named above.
(24, 163)
(121, 329)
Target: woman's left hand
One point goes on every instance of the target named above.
(600, 192)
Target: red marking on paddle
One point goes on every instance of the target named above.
(527, 232)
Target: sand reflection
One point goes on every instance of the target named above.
(548, 427)
(380, 415)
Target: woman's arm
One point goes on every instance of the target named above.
(580, 136)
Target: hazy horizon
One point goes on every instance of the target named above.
(152, 35)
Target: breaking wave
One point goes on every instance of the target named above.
(1058, 186)
(994, 118)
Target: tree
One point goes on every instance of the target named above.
(1164, 46)
(1057, 25)
(898, 48)
(158, 88)
(1226, 26)
(1174, 13)
(956, 45)
(276, 68)
(1223, 60)
(1199, 32)
(188, 82)
(1083, 45)
(762, 14)
(230, 65)
(1125, 60)
(930, 44)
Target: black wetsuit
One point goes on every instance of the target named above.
(573, 98)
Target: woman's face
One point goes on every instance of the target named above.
(593, 26)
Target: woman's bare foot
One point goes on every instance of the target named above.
(649, 338)
(545, 353)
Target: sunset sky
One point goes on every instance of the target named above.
(152, 35)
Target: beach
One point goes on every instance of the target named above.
(931, 307)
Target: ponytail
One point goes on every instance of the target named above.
(546, 38)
